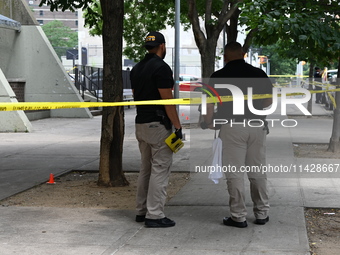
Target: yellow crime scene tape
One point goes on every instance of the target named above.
(34, 106)
(327, 90)
(288, 76)
(332, 99)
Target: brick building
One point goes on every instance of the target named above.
(44, 15)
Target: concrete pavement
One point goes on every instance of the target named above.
(61, 145)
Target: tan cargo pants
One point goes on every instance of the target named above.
(245, 146)
(156, 160)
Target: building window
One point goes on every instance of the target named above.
(76, 22)
(41, 22)
(76, 13)
(41, 13)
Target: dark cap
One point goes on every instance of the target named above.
(154, 39)
(317, 68)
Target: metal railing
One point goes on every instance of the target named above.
(90, 79)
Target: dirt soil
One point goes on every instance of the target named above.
(322, 224)
(323, 228)
(79, 189)
(313, 150)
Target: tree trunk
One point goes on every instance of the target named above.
(334, 143)
(208, 54)
(112, 136)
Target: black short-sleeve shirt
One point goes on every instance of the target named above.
(317, 77)
(149, 75)
(242, 75)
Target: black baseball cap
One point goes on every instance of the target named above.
(154, 39)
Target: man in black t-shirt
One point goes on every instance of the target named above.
(151, 79)
(244, 135)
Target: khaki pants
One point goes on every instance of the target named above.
(245, 146)
(156, 160)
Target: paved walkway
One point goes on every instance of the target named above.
(60, 145)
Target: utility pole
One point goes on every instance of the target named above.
(177, 48)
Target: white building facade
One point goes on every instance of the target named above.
(190, 60)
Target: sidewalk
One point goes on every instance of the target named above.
(61, 145)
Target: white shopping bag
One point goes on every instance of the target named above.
(216, 172)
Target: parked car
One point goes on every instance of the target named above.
(332, 75)
(189, 82)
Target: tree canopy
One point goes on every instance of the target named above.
(60, 36)
(305, 30)
(278, 65)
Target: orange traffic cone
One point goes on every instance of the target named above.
(51, 181)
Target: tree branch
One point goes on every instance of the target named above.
(208, 7)
(226, 13)
(249, 38)
(193, 17)
(231, 29)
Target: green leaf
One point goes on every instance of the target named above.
(303, 37)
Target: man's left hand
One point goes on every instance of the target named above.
(179, 135)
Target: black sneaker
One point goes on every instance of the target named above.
(140, 218)
(261, 221)
(159, 223)
(229, 222)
